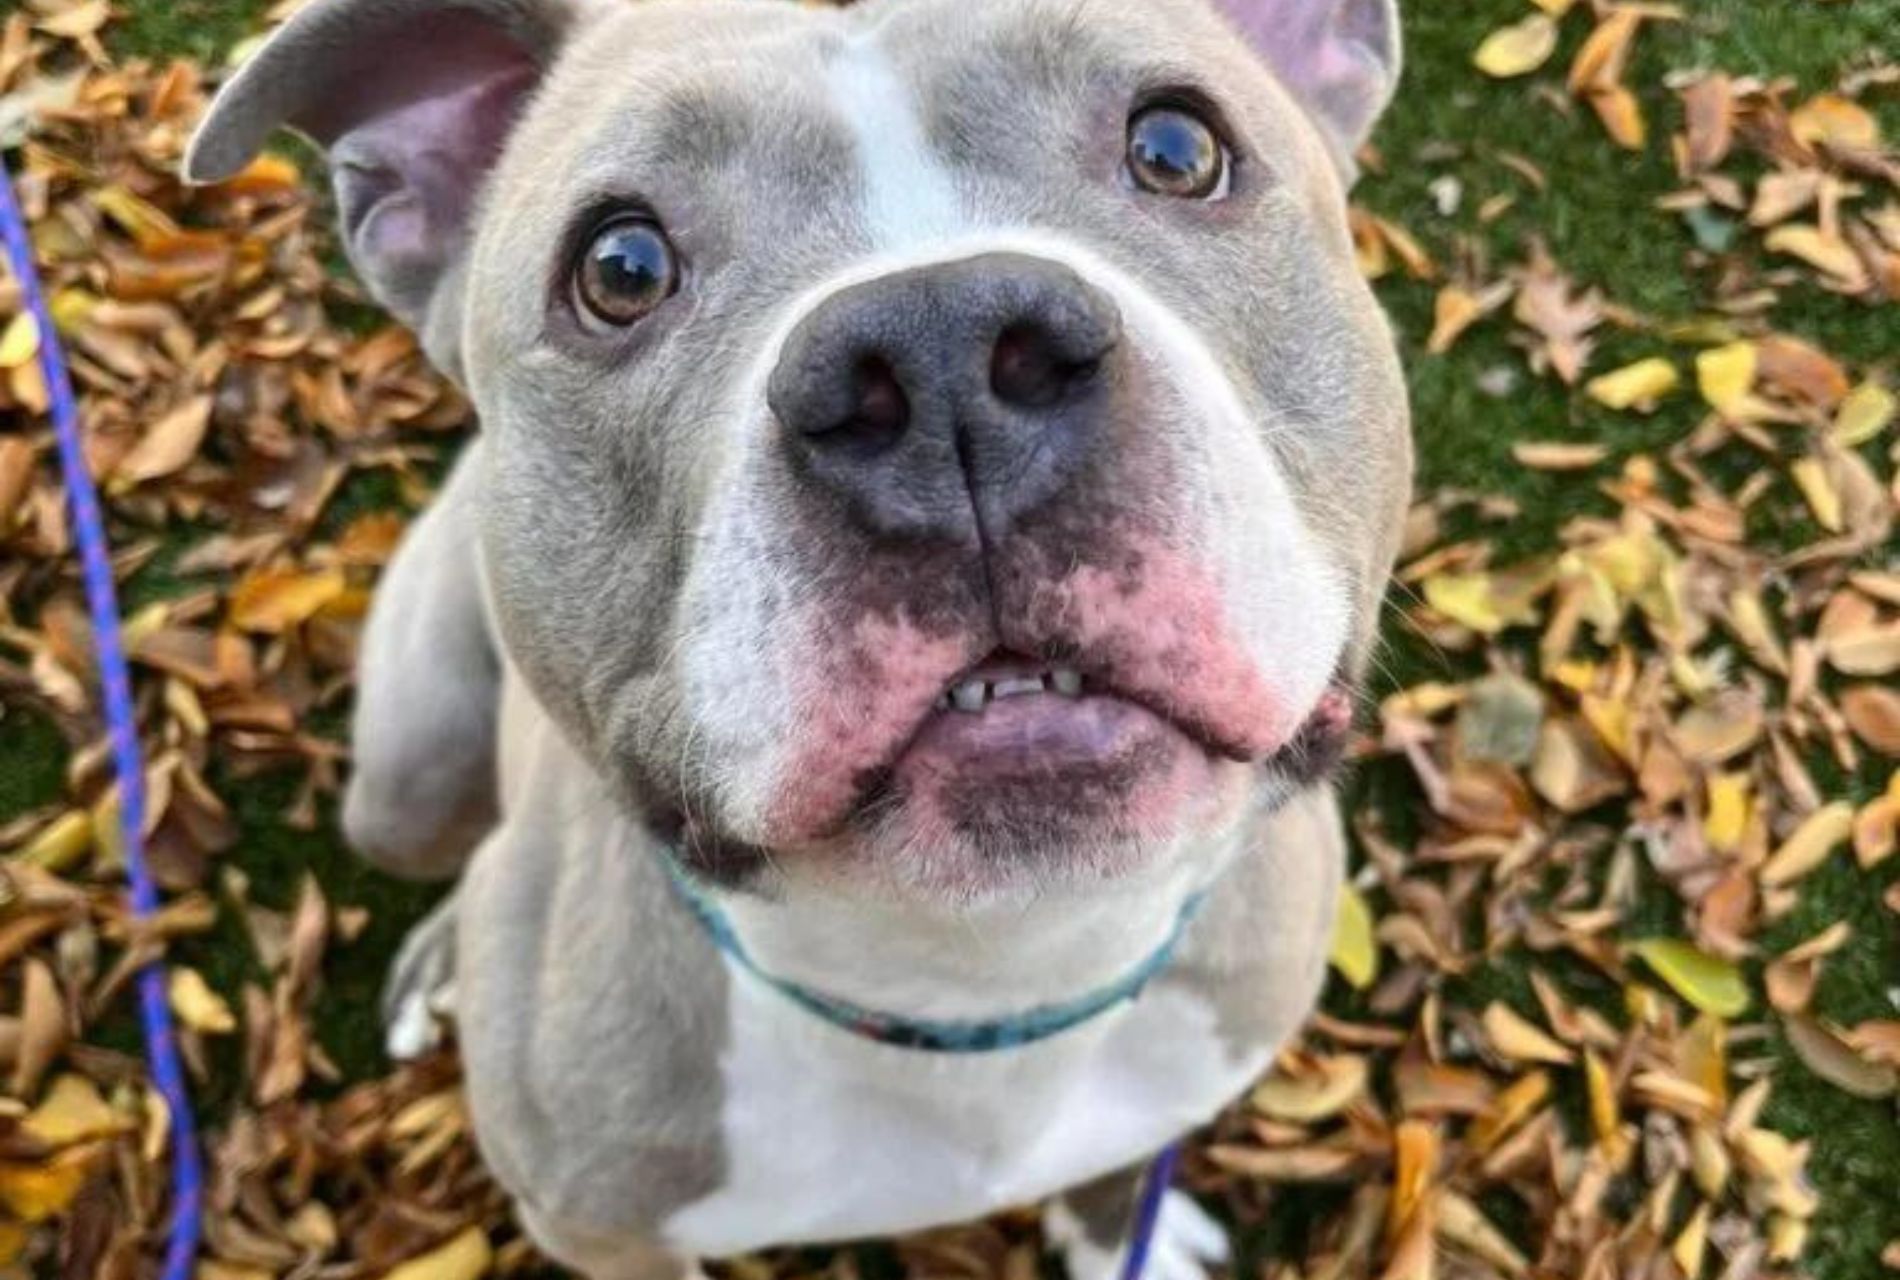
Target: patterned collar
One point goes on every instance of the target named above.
(931, 1035)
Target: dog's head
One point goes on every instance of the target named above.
(941, 445)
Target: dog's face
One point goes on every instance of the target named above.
(940, 447)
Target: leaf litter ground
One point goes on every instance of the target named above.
(1615, 983)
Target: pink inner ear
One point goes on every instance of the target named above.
(427, 111)
(429, 155)
(1338, 57)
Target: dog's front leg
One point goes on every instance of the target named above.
(424, 791)
(1093, 1225)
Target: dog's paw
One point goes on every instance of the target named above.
(1187, 1243)
(419, 999)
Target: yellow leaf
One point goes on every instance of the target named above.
(277, 600)
(197, 1005)
(1635, 386)
(1467, 599)
(1726, 375)
(1355, 948)
(1691, 1246)
(1836, 122)
(1710, 984)
(1825, 830)
(1518, 49)
(1621, 114)
(465, 1257)
(1818, 249)
(1455, 310)
(35, 1192)
(1729, 808)
(73, 1111)
(70, 308)
(1866, 412)
(1810, 476)
(20, 341)
(61, 843)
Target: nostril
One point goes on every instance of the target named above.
(877, 413)
(1028, 368)
(883, 410)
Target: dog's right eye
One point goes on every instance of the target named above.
(626, 271)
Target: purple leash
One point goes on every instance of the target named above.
(161, 1045)
(1148, 1210)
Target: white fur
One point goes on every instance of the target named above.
(909, 197)
(1186, 1242)
(1290, 604)
(887, 1140)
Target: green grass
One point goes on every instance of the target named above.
(1599, 220)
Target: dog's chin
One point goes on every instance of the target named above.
(1036, 794)
(1049, 794)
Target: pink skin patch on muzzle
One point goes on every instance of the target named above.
(1174, 701)
(1160, 636)
(859, 699)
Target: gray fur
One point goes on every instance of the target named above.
(598, 650)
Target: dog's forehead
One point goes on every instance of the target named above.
(692, 84)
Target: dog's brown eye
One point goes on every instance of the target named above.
(1173, 152)
(627, 270)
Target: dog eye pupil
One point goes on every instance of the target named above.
(627, 270)
(1174, 152)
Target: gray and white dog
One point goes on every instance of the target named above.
(876, 670)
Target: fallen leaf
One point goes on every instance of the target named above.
(1823, 1051)
(1818, 836)
(466, 1256)
(73, 1112)
(1712, 985)
(1864, 414)
(1725, 375)
(1555, 456)
(1872, 711)
(1635, 386)
(1837, 123)
(197, 1005)
(277, 600)
(1324, 1089)
(1821, 249)
(1518, 49)
(1355, 949)
(1518, 1040)
(171, 442)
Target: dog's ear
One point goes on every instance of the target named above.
(1340, 58)
(413, 99)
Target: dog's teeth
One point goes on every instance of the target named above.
(970, 696)
(1016, 687)
(1066, 681)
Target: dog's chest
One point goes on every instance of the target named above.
(829, 1137)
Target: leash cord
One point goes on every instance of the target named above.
(1148, 1211)
(161, 1044)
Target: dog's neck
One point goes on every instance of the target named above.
(975, 962)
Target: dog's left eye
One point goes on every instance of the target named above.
(1172, 151)
(626, 270)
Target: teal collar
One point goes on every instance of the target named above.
(932, 1035)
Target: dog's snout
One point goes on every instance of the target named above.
(964, 391)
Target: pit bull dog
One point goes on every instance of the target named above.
(877, 669)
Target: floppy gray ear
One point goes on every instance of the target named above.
(1340, 58)
(413, 99)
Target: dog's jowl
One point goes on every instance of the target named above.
(877, 668)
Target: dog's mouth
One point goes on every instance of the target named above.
(1012, 716)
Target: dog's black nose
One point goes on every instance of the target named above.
(922, 396)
